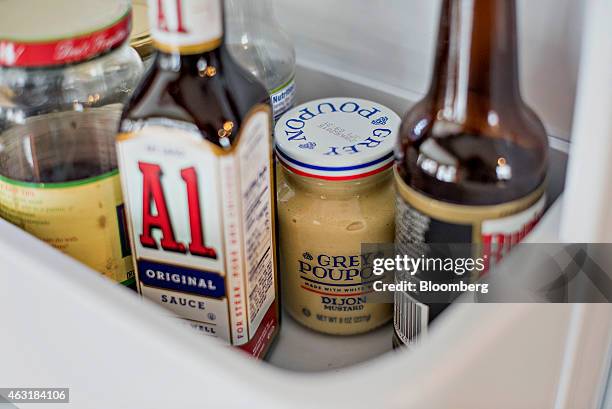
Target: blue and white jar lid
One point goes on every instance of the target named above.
(337, 139)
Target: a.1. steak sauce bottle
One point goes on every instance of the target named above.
(197, 174)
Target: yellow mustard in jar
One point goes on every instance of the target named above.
(335, 193)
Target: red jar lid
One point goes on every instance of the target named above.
(43, 33)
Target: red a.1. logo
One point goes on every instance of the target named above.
(162, 23)
(153, 194)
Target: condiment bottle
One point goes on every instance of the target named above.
(260, 45)
(196, 167)
(472, 156)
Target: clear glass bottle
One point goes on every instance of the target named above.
(60, 105)
(260, 45)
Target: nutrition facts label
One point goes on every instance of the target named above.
(257, 216)
(283, 99)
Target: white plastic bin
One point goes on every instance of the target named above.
(63, 325)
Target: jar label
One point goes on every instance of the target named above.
(283, 99)
(201, 222)
(497, 228)
(84, 219)
(186, 26)
(330, 292)
(64, 47)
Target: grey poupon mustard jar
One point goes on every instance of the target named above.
(335, 192)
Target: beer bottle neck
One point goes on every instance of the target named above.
(476, 68)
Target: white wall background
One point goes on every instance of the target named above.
(392, 42)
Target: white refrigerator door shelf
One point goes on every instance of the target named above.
(65, 326)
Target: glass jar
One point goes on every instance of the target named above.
(261, 46)
(335, 193)
(60, 104)
(140, 38)
(322, 227)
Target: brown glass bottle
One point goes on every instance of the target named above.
(196, 165)
(208, 90)
(471, 154)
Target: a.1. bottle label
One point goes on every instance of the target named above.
(201, 222)
(84, 219)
